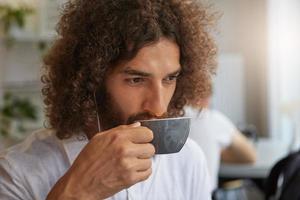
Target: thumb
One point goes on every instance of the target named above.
(135, 124)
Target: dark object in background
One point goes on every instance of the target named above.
(250, 131)
(235, 191)
(283, 183)
(238, 190)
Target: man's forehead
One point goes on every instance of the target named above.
(162, 57)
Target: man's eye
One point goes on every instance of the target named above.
(135, 81)
(171, 78)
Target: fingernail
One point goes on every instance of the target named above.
(136, 124)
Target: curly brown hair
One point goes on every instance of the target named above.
(94, 34)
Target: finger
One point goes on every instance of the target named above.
(135, 177)
(143, 164)
(139, 151)
(120, 128)
(144, 151)
(143, 175)
(135, 124)
(140, 135)
(124, 127)
(136, 164)
(134, 132)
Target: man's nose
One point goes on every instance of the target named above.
(155, 102)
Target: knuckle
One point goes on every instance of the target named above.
(122, 151)
(117, 138)
(129, 178)
(124, 164)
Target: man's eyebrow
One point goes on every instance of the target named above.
(135, 72)
(176, 73)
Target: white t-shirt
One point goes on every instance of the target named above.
(213, 131)
(30, 169)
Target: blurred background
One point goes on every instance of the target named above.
(257, 82)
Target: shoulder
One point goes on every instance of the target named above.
(38, 145)
(28, 169)
(32, 157)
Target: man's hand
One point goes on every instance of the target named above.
(111, 161)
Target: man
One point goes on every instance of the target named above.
(119, 62)
(218, 137)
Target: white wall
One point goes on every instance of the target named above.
(226, 98)
(284, 67)
(243, 31)
(22, 62)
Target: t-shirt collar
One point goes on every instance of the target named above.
(74, 145)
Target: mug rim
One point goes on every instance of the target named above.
(164, 119)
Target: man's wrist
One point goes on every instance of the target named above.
(62, 190)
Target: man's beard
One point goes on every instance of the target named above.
(110, 113)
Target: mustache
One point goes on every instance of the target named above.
(144, 116)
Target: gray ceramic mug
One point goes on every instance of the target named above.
(170, 134)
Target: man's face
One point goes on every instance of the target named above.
(142, 88)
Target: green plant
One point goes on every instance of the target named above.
(15, 12)
(18, 110)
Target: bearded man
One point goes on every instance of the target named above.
(116, 62)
